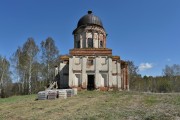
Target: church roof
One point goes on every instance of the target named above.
(89, 19)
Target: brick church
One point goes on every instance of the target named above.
(90, 65)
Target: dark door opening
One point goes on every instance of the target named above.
(90, 85)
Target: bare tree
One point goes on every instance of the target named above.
(133, 74)
(173, 73)
(49, 56)
(5, 76)
(30, 50)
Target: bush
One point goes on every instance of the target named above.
(164, 86)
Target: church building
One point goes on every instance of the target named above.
(90, 65)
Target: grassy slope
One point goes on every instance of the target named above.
(94, 105)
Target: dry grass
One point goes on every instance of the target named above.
(90, 105)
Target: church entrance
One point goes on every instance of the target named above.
(91, 84)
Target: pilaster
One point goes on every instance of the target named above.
(119, 75)
(70, 72)
(110, 72)
(97, 80)
(84, 75)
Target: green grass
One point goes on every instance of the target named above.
(17, 98)
(151, 100)
(93, 105)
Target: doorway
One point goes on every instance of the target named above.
(91, 85)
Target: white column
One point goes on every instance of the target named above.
(97, 80)
(119, 75)
(124, 73)
(98, 40)
(92, 33)
(110, 71)
(84, 75)
(70, 71)
(80, 38)
(86, 39)
(128, 77)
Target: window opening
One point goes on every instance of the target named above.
(90, 62)
(78, 44)
(101, 44)
(90, 43)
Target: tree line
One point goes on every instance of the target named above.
(29, 69)
(168, 82)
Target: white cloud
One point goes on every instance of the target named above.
(145, 66)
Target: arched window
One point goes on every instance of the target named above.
(101, 44)
(78, 44)
(90, 43)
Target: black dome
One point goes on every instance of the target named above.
(89, 19)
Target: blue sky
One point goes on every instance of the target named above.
(144, 31)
